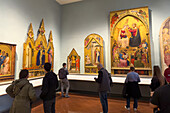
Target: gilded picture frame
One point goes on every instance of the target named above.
(73, 62)
(93, 53)
(37, 53)
(164, 37)
(130, 41)
(7, 61)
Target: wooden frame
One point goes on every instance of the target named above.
(7, 61)
(164, 37)
(128, 49)
(93, 53)
(73, 62)
(37, 53)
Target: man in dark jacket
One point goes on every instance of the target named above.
(63, 72)
(104, 79)
(161, 99)
(49, 86)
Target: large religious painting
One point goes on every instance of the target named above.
(7, 61)
(37, 53)
(130, 41)
(165, 44)
(93, 53)
(73, 62)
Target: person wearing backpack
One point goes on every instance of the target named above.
(104, 80)
(23, 93)
(63, 72)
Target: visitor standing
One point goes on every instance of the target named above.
(104, 80)
(23, 93)
(161, 99)
(63, 72)
(132, 88)
(49, 86)
(157, 81)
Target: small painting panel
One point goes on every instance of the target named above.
(73, 62)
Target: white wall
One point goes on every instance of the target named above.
(92, 16)
(15, 17)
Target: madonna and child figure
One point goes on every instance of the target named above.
(131, 47)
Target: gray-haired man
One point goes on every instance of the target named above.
(104, 80)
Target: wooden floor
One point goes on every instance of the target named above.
(89, 104)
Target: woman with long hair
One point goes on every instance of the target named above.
(158, 80)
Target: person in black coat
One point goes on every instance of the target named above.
(132, 88)
(104, 81)
(49, 86)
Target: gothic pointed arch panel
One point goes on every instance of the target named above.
(130, 41)
(50, 50)
(93, 53)
(165, 44)
(73, 62)
(37, 53)
(29, 49)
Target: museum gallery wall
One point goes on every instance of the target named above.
(37, 53)
(165, 44)
(130, 46)
(7, 61)
(73, 62)
(130, 41)
(93, 53)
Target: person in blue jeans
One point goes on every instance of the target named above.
(104, 80)
(132, 88)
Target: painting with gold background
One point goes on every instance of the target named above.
(93, 53)
(7, 61)
(130, 41)
(165, 44)
(73, 62)
(37, 53)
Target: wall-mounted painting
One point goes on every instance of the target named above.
(73, 62)
(93, 53)
(7, 61)
(130, 41)
(165, 44)
(37, 53)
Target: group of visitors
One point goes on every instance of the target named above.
(24, 94)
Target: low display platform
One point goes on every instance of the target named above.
(78, 77)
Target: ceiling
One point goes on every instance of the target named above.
(62, 2)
